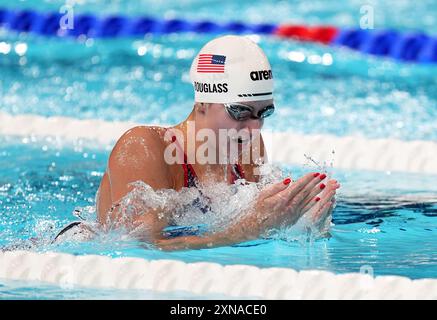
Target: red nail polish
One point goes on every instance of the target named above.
(322, 176)
(322, 186)
(317, 199)
(173, 138)
(316, 174)
(287, 181)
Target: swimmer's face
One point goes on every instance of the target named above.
(215, 117)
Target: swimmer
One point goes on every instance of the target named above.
(233, 90)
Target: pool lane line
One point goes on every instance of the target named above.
(351, 152)
(205, 278)
(413, 46)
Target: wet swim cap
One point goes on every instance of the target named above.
(231, 69)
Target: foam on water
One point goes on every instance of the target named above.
(213, 208)
(225, 205)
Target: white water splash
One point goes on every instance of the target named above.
(326, 167)
(214, 207)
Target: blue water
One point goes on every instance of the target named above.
(403, 15)
(25, 290)
(384, 220)
(108, 79)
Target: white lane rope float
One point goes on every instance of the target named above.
(351, 152)
(205, 278)
(202, 278)
(233, 280)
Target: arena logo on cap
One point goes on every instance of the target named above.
(211, 63)
(261, 75)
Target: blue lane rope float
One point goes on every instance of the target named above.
(411, 47)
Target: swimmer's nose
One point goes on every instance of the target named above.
(253, 124)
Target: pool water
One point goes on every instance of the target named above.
(33, 290)
(385, 220)
(333, 90)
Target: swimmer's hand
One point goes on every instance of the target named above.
(283, 204)
(277, 205)
(319, 210)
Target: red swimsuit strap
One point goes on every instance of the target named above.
(188, 168)
(240, 171)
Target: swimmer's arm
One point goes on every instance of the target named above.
(247, 229)
(137, 156)
(195, 242)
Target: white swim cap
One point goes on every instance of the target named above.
(231, 69)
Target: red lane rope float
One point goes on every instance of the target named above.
(322, 34)
(416, 47)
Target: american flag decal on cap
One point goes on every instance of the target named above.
(211, 63)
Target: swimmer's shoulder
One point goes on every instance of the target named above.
(139, 146)
(140, 137)
(154, 134)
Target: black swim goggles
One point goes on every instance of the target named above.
(242, 112)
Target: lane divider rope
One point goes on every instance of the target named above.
(415, 46)
(351, 152)
(204, 278)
